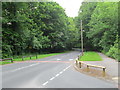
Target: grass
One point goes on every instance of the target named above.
(4, 62)
(91, 56)
(32, 58)
(38, 57)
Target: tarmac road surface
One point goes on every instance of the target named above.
(51, 72)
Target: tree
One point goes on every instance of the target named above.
(35, 27)
(100, 22)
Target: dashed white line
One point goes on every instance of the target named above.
(52, 78)
(56, 76)
(64, 69)
(67, 68)
(45, 83)
(70, 59)
(58, 59)
(61, 72)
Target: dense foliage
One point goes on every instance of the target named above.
(36, 27)
(100, 22)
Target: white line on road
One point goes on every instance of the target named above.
(56, 75)
(24, 67)
(64, 70)
(58, 59)
(61, 72)
(45, 83)
(67, 67)
(70, 59)
(52, 78)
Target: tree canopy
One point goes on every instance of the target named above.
(39, 27)
(36, 27)
(100, 22)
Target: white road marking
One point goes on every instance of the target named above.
(58, 59)
(70, 59)
(45, 83)
(61, 72)
(24, 67)
(52, 78)
(67, 67)
(64, 69)
(56, 76)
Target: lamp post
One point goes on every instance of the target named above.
(81, 38)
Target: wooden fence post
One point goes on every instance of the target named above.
(78, 57)
(22, 58)
(76, 62)
(80, 64)
(36, 56)
(87, 68)
(11, 60)
(103, 72)
(30, 56)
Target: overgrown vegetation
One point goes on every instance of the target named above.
(43, 27)
(100, 22)
(36, 27)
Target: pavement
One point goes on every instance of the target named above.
(51, 72)
(110, 64)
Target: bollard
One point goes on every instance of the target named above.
(103, 72)
(80, 64)
(78, 57)
(11, 60)
(76, 62)
(87, 68)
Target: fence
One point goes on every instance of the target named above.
(79, 64)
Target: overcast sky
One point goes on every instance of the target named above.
(71, 6)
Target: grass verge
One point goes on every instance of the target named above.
(90, 56)
(38, 56)
(4, 62)
(32, 58)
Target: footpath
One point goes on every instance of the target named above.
(110, 64)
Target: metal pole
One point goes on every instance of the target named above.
(81, 38)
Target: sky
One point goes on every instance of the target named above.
(71, 6)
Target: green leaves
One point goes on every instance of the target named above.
(100, 25)
(35, 27)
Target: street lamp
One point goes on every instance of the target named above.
(81, 38)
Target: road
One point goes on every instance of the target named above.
(51, 72)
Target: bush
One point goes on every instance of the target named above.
(114, 51)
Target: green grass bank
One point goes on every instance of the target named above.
(32, 58)
(90, 56)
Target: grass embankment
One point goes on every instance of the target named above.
(32, 58)
(4, 62)
(38, 57)
(91, 56)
